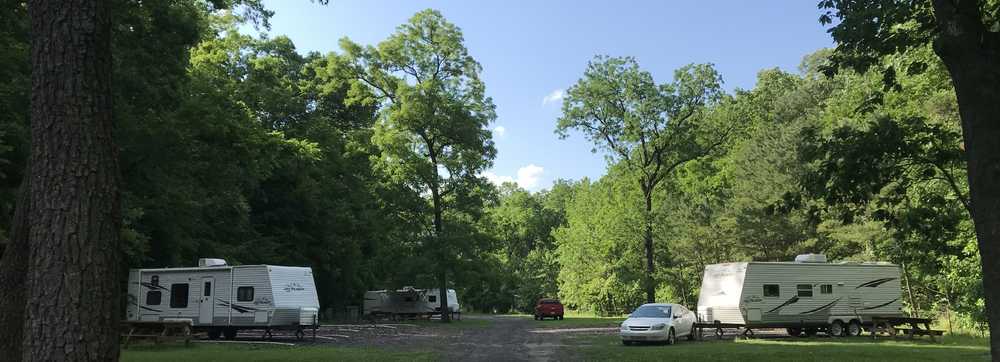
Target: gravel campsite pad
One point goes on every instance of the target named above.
(508, 338)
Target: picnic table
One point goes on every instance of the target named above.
(158, 331)
(917, 327)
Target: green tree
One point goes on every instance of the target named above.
(434, 111)
(652, 129)
(966, 36)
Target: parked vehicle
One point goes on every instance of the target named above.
(223, 299)
(805, 296)
(658, 322)
(407, 302)
(548, 307)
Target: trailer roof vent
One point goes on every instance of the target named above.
(810, 258)
(203, 262)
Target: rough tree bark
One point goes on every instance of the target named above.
(72, 290)
(438, 229)
(972, 54)
(13, 270)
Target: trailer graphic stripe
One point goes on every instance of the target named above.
(880, 305)
(238, 308)
(875, 283)
(787, 302)
(827, 306)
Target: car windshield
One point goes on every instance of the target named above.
(652, 311)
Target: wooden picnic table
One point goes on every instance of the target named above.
(158, 331)
(917, 327)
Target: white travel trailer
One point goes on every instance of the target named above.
(407, 302)
(807, 295)
(222, 299)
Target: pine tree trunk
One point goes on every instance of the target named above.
(72, 281)
(13, 271)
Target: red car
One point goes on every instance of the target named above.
(547, 307)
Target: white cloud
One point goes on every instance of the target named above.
(496, 179)
(499, 131)
(527, 177)
(555, 96)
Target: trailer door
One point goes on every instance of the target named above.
(207, 307)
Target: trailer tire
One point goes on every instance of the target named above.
(299, 334)
(836, 329)
(794, 331)
(853, 328)
(229, 333)
(214, 333)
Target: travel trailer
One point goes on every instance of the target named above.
(406, 302)
(223, 299)
(804, 296)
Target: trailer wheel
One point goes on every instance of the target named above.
(836, 329)
(299, 334)
(854, 328)
(794, 331)
(214, 333)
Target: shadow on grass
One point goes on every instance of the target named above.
(267, 353)
(608, 347)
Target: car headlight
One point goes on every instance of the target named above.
(659, 327)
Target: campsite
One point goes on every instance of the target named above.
(447, 180)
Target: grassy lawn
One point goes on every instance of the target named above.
(251, 353)
(578, 322)
(818, 349)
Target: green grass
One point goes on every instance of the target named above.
(267, 353)
(959, 348)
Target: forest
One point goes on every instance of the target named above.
(367, 164)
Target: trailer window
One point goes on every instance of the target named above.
(772, 290)
(826, 289)
(208, 290)
(179, 295)
(153, 297)
(432, 298)
(244, 294)
(805, 290)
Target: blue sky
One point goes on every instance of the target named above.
(532, 50)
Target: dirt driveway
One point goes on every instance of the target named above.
(476, 338)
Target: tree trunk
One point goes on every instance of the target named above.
(971, 54)
(438, 228)
(75, 217)
(13, 270)
(978, 89)
(650, 283)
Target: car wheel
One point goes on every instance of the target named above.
(836, 329)
(854, 329)
(794, 332)
(560, 317)
(671, 338)
(536, 318)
